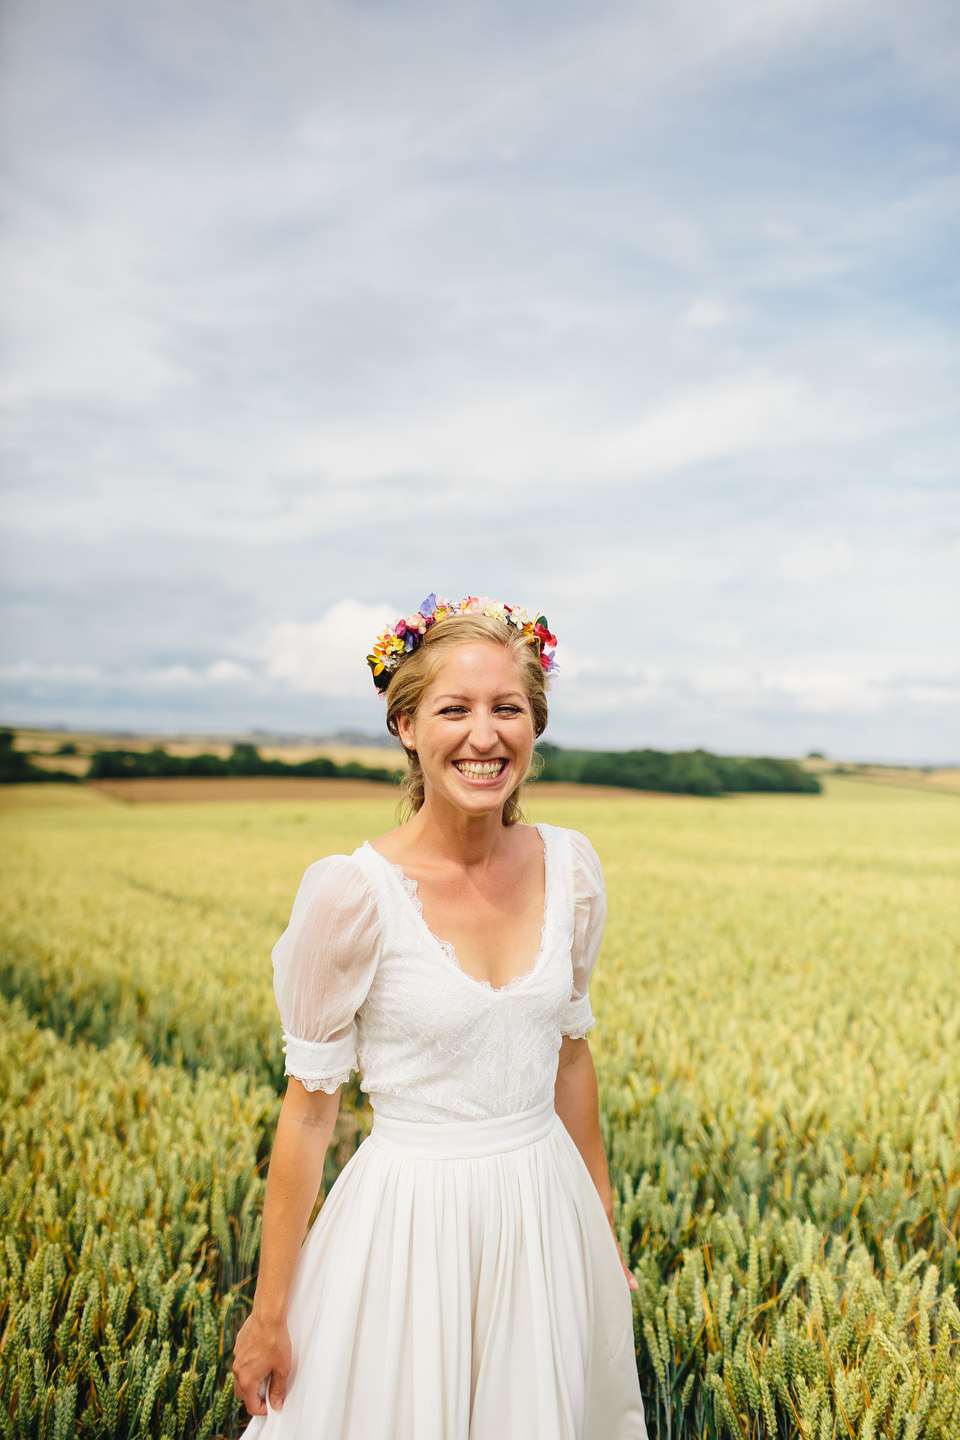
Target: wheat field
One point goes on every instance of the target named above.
(778, 1050)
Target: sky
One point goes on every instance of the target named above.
(643, 316)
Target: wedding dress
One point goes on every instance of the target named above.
(461, 1281)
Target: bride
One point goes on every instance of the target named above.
(462, 1280)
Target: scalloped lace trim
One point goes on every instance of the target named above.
(411, 890)
(329, 1084)
(579, 1032)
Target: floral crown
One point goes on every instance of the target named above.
(400, 640)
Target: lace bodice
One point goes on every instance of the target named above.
(362, 983)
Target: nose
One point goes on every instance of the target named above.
(483, 733)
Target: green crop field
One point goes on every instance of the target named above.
(778, 1049)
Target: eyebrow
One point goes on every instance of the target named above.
(507, 695)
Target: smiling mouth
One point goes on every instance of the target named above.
(480, 769)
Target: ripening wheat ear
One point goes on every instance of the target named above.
(778, 1051)
(117, 1243)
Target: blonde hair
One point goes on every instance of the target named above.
(415, 674)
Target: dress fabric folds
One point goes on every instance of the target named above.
(460, 1281)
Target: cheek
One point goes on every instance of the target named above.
(525, 734)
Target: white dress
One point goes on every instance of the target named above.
(461, 1281)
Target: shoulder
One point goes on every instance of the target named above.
(335, 905)
(532, 840)
(588, 881)
(335, 868)
(340, 879)
(581, 850)
(573, 850)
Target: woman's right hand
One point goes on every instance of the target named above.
(261, 1358)
(262, 1354)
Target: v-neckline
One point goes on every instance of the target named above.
(410, 889)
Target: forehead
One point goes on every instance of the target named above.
(477, 666)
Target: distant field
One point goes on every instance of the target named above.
(922, 777)
(204, 790)
(42, 745)
(778, 1051)
(280, 787)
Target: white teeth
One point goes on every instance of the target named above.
(480, 769)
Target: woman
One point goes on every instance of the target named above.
(461, 1281)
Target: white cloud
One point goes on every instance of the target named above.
(31, 672)
(225, 674)
(865, 687)
(704, 314)
(540, 438)
(649, 306)
(228, 672)
(221, 673)
(326, 656)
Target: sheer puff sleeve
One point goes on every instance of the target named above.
(324, 964)
(589, 915)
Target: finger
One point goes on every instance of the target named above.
(278, 1389)
(246, 1390)
(254, 1401)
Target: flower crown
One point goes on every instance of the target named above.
(400, 640)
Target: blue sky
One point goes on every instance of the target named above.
(643, 315)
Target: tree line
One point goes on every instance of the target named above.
(16, 768)
(244, 759)
(680, 772)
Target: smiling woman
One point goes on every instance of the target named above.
(462, 1281)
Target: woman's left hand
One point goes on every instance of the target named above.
(261, 1362)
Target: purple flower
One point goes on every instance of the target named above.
(428, 607)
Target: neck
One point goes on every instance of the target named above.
(443, 832)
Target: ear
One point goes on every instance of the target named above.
(406, 730)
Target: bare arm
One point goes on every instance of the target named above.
(575, 1098)
(262, 1349)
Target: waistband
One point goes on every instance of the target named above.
(463, 1139)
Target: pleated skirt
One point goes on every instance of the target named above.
(461, 1283)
